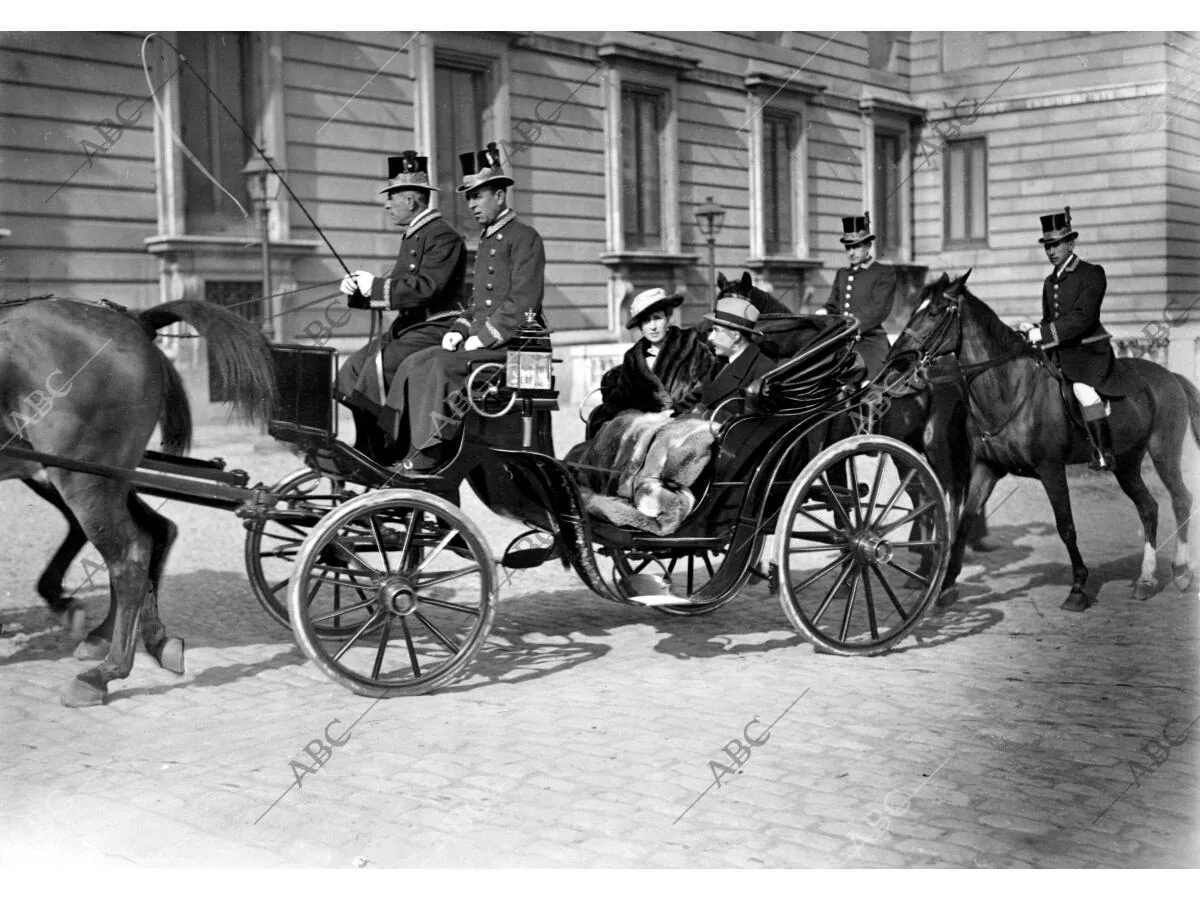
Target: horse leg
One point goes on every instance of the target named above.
(1054, 481)
(67, 610)
(166, 650)
(979, 489)
(102, 508)
(1129, 476)
(1167, 465)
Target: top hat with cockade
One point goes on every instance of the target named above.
(482, 167)
(858, 230)
(408, 172)
(1057, 227)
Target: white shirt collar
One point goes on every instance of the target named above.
(505, 218)
(734, 356)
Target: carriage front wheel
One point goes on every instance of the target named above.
(864, 516)
(420, 587)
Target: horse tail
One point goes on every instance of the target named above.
(175, 415)
(1193, 398)
(238, 350)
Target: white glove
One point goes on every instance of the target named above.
(821, 312)
(473, 343)
(349, 286)
(1032, 333)
(451, 340)
(365, 280)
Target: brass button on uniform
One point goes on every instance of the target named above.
(487, 302)
(413, 252)
(412, 266)
(499, 237)
(491, 270)
(492, 251)
(489, 287)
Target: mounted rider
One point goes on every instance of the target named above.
(1071, 333)
(424, 286)
(865, 289)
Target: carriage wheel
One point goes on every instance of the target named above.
(682, 573)
(843, 553)
(272, 543)
(424, 588)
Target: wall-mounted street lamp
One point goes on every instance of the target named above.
(262, 184)
(710, 217)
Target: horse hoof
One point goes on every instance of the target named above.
(78, 692)
(948, 597)
(1144, 590)
(1182, 576)
(171, 655)
(1077, 601)
(92, 648)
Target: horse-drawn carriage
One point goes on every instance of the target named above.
(391, 589)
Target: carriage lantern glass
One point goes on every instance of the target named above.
(262, 184)
(710, 216)
(529, 364)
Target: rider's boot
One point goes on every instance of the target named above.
(1100, 435)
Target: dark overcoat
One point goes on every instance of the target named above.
(1071, 331)
(426, 283)
(683, 364)
(867, 294)
(733, 378)
(510, 267)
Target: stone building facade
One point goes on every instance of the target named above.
(954, 141)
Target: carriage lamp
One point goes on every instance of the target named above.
(710, 217)
(262, 184)
(529, 370)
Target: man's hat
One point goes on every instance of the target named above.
(1057, 227)
(408, 172)
(736, 313)
(480, 168)
(651, 301)
(858, 230)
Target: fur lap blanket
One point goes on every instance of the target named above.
(637, 472)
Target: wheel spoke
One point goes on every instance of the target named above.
(840, 511)
(370, 625)
(870, 601)
(377, 533)
(847, 565)
(412, 651)
(383, 641)
(448, 576)
(406, 544)
(908, 476)
(316, 620)
(906, 518)
(874, 495)
(446, 604)
(337, 542)
(821, 574)
(442, 639)
(824, 525)
(708, 564)
(433, 554)
(849, 607)
(826, 539)
(275, 588)
(914, 543)
(858, 514)
(887, 587)
(911, 574)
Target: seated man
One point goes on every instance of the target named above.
(424, 286)
(733, 340)
(668, 364)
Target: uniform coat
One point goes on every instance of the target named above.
(866, 292)
(683, 364)
(426, 283)
(509, 282)
(733, 378)
(1071, 331)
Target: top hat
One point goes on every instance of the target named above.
(651, 301)
(480, 168)
(736, 313)
(858, 230)
(408, 172)
(1057, 227)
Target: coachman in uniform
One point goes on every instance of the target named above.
(510, 269)
(865, 290)
(425, 287)
(1071, 333)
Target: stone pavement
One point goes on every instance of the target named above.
(1004, 732)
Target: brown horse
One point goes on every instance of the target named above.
(1018, 423)
(87, 381)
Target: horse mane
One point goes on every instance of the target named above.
(987, 320)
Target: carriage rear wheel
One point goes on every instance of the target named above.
(846, 542)
(423, 585)
(272, 543)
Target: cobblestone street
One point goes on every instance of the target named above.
(1005, 732)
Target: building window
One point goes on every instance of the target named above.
(223, 60)
(779, 137)
(965, 193)
(641, 172)
(460, 105)
(886, 225)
